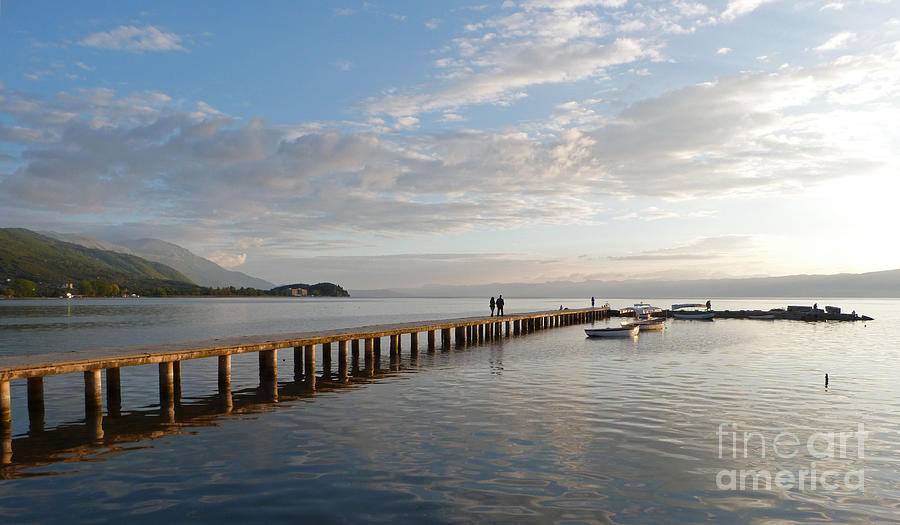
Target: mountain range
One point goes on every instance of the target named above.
(52, 264)
(199, 270)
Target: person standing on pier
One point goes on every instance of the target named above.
(500, 305)
(492, 307)
(708, 305)
(592, 302)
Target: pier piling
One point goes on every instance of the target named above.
(342, 362)
(113, 392)
(36, 397)
(309, 364)
(93, 391)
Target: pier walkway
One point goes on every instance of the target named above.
(168, 356)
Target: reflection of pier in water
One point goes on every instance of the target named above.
(68, 441)
(119, 431)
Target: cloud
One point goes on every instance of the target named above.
(134, 39)
(515, 69)
(737, 8)
(144, 161)
(723, 51)
(227, 260)
(84, 66)
(700, 249)
(837, 41)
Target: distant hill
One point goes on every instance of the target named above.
(198, 269)
(313, 290)
(50, 263)
(202, 271)
(872, 284)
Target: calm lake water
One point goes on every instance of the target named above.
(548, 427)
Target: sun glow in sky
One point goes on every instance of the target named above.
(387, 144)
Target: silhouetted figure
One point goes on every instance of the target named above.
(708, 305)
(492, 306)
(826, 380)
(815, 306)
(592, 302)
(500, 305)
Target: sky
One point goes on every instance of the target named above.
(400, 144)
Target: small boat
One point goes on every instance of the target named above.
(622, 331)
(642, 317)
(692, 314)
(762, 317)
(656, 323)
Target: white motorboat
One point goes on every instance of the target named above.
(621, 331)
(642, 317)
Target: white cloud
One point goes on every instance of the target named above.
(513, 69)
(141, 158)
(837, 41)
(134, 39)
(723, 51)
(738, 8)
(227, 260)
(704, 248)
(84, 66)
(433, 23)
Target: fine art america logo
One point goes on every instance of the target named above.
(737, 443)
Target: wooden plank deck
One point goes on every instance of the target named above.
(38, 365)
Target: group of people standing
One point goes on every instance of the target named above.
(498, 304)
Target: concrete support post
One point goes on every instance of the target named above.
(445, 338)
(298, 363)
(413, 343)
(93, 391)
(326, 360)
(309, 366)
(225, 399)
(5, 403)
(268, 365)
(176, 379)
(36, 397)
(370, 356)
(166, 383)
(431, 340)
(5, 424)
(342, 362)
(114, 391)
(394, 340)
(224, 373)
(354, 359)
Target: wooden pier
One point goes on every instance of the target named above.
(446, 334)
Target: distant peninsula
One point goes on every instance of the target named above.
(310, 290)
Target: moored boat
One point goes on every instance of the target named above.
(622, 331)
(696, 315)
(763, 317)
